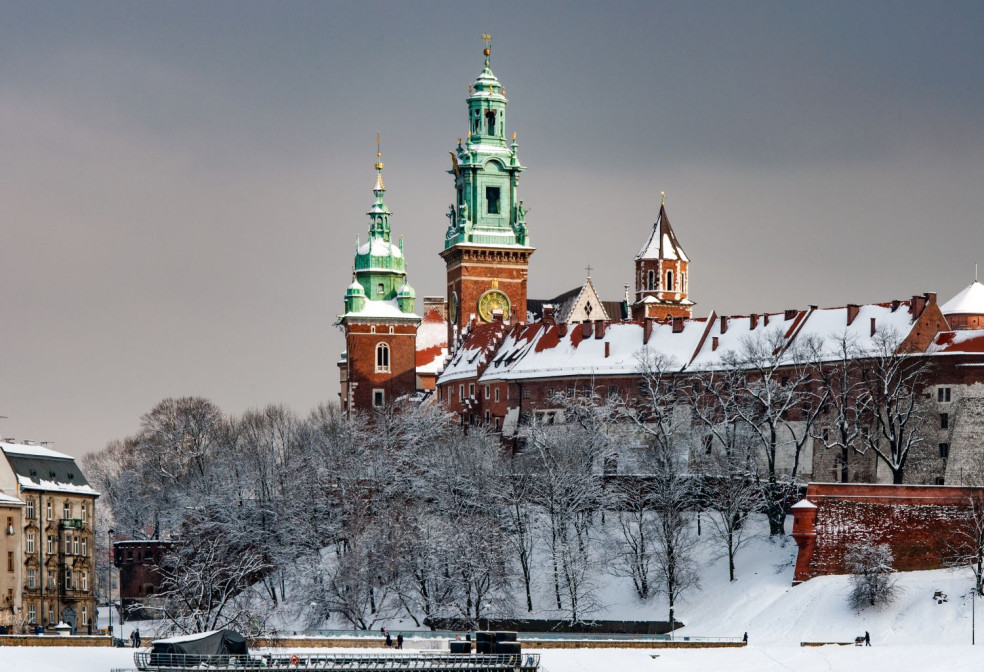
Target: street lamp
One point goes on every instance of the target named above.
(109, 584)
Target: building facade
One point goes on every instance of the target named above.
(56, 562)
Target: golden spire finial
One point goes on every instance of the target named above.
(487, 39)
(379, 164)
(514, 136)
(662, 197)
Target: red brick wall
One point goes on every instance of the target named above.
(361, 348)
(918, 522)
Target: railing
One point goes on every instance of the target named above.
(72, 523)
(363, 662)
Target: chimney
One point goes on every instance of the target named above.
(562, 329)
(873, 329)
(585, 330)
(917, 305)
(497, 316)
(548, 314)
(852, 313)
(714, 343)
(599, 329)
(753, 321)
(895, 305)
(724, 324)
(789, 314)
(677, 325)
(930, 298)
(647, 330)
(608, 349)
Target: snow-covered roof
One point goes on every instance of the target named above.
(969, 341)
(804, 504)
(970, 301)
(9, 500)
(382, 309)
(662, 242)
(739, 330)
(551, 351)
(827, 327)
(378, 247)
(32, 451)
(40, 468)
(477, 347)
(186, 638)
(432, 343)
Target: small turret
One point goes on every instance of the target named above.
(405, 297)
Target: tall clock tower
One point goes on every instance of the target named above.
(487, 245)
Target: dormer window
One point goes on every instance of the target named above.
(492, 199)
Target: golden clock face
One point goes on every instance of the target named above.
(493, 300)
(453, 307)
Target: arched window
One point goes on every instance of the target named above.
(382, 358)
(380, 289)
(669, 281)
(490, 122)
(651, 281)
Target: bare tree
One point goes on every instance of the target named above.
(872, 580)
(896, 410)
(732, 493)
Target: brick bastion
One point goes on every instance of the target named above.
(921, 523)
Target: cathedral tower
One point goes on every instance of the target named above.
(486, 247)
(379, 323)
(662, 274)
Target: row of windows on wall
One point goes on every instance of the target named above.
(74, 544)
(489, 122)
(652, 281)
(32, 614)
(73, 580)
(372, 330)
(67, 510)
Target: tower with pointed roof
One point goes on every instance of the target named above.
(379, 323)
(486, 244)
(662, 274)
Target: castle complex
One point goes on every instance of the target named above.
(493, 355)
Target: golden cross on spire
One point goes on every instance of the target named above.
(486, 37)
(379, 153)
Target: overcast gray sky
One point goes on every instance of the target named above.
(181, 184)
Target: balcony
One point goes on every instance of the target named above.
(72, 523)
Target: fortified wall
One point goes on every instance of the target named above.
(920, 523)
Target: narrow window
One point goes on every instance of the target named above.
(944, 450)
(461, 392)
(669, 281)
(68, 579)
(29, 542)
(10, 561)
(51, 545)
(382, 358)
(392, 331)
(84, 583)
(85, 615)
(944, 421)
(708, 444)
(497, 394)
(67, 510)
(488, 392)
(48, 510)
(943, 394)
(68, 545)
(83, 512)
(85, 546)
(30, 508)
(32, 613)
(651, 280)
(32, 578)
(380, 289)
(378, 398)
(471, 390)
(497, 423)
(75, 545)
(488, 417)
(490, 122)
(492, 200)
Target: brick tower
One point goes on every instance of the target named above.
(661, 274)
(486, 247)
(379, 364)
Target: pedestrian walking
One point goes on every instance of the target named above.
(389, 640)
(399, 641)
(88, 626)
(136, 638)
(745, 639)
(867, 638)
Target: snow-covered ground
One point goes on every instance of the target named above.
(916, 632)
